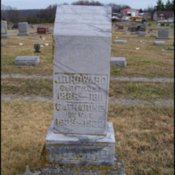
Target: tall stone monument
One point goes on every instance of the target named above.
(3, 29)
(23, 28)
(79, 133)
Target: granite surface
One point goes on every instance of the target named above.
(118, 61)
(27, 60)
(3, 29)
(23, 28)
(80, 149)
(82, 37)
(163, 34)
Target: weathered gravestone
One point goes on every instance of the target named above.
(120, 41)
(159, 43)
(118, 61)
(163, 34)
(27, 60)
(23, 28)
(141, 33)
(3, 29)
(79, 133)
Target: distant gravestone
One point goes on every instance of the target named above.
(163, 34)
(42, 30)
(120, 41)
(23, 28)
(118, 61)
(27, 60)
(3, 29)
(159, 43)
(141, 33)
(79, 133)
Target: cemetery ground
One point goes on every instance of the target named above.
(144, 133)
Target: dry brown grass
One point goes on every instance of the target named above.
(150, 61)
(24, 128)
(144, 139)
(11, 49)
(141, 90)
(27, 87)
(144, 136)
(133, 90)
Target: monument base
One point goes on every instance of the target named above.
(79, 149)
(59, 169)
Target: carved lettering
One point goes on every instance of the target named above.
(80, 100)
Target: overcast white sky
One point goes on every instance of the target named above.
(39, 4)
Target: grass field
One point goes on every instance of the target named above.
(144, 134)
(138, 90)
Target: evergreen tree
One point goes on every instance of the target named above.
(160, 5)
(168, 5)
(172, 5)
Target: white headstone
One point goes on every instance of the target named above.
(27, 60)
(120, 41)
(3, 29)
(159, 43)
(118, 61)
(82, 69)
(23, 28)
(80, 133)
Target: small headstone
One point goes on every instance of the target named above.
(3, 29)
(163, 34)
(23, 28)
(120, 41)
(42, 30)
(118, 61)
(159, 43)
(141, 33)
(27, 60)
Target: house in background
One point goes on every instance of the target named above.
(128, 11)
(163, 16)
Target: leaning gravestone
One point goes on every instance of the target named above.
(79, 133)
(3, 29)
(23, 28)
(162, 34)
(27, 60)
